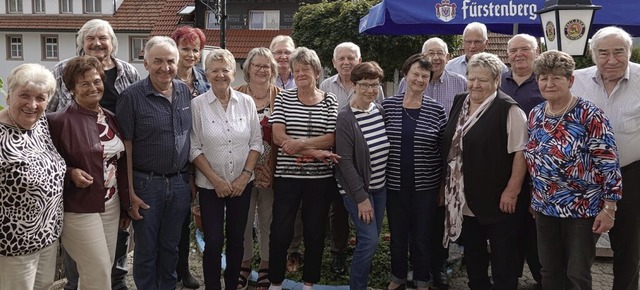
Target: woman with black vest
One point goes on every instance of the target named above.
(485, 168)
(414, 124)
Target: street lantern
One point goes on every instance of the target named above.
(567, 24)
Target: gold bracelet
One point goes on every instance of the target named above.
(609, 215)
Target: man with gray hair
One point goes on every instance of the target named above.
(475, 39)
(155, 119)
(96, 38)
(613, 85)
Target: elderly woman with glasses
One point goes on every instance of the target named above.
(361, 173)
(260, 74)
(31, 183)
(225, 145)
(304, 121)
(414, 124)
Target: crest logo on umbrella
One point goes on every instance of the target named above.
(445, 10)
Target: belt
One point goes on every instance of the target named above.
(156, 174)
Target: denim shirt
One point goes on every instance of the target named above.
(200, 82)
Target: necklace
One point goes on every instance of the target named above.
(256, 97)
(409, 115)
(187, 80)
(549, 112)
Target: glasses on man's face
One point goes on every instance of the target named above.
(366, 86)
(282, 52)
(438, 54)
(259, 67)
(474, 42)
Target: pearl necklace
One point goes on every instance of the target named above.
(548, 111)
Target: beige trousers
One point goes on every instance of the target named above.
(261, 205)
(34, 271)
(90, 239)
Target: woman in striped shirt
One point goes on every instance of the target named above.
(414, 124)
(362, 143)
(304, 121)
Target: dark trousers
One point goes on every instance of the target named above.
(411, 222)
(223, 218)
(182, 269)
(502, 236)
(567, 248)
(339, 222)
(316, 195)
(528, 246)
(118, 271)
(439, 254)
(625, 234)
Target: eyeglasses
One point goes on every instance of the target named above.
(367, 86)
(476, 42)
(435, 53)
(259, 67)
(282, 52)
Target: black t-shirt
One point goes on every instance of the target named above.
(110, 93)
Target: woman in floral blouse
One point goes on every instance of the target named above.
(572, 158)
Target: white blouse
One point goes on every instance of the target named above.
(224, 137)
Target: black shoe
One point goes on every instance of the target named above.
(338, 265)
(440, 280)
(189, 282)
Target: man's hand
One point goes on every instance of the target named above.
(136, 205)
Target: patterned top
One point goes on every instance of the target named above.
(573, 164)
(113, 150)
(31, 183)
(372, 126)
(621, 107)
(431, 122)
(303, 121)
(127, 74)
(224, 137)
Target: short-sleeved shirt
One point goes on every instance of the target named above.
(158, 128)
(303, 121)
(527, 94)
(286, 84)
(622, 107)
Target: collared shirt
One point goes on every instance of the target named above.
(443, 90)
(225, 138)
(459, 65)
(333, 85)
(287, 84)
(527, 94)
(622, 107)
(573, 162)
(158, 128)
(126, 76)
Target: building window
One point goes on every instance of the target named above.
(49, 47)
(66, 6)
(14, 47)
(92, 6)
(137, 44)
(14, 6)
(264, 19)
(38, 6)
(212, 21)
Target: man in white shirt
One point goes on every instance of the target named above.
(613, 84)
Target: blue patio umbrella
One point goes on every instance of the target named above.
(421, 17)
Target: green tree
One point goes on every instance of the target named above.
(324, 25)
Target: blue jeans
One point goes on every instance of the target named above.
(367, 237)
(157, 235)
(567, 248)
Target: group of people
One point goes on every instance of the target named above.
(467, 151)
